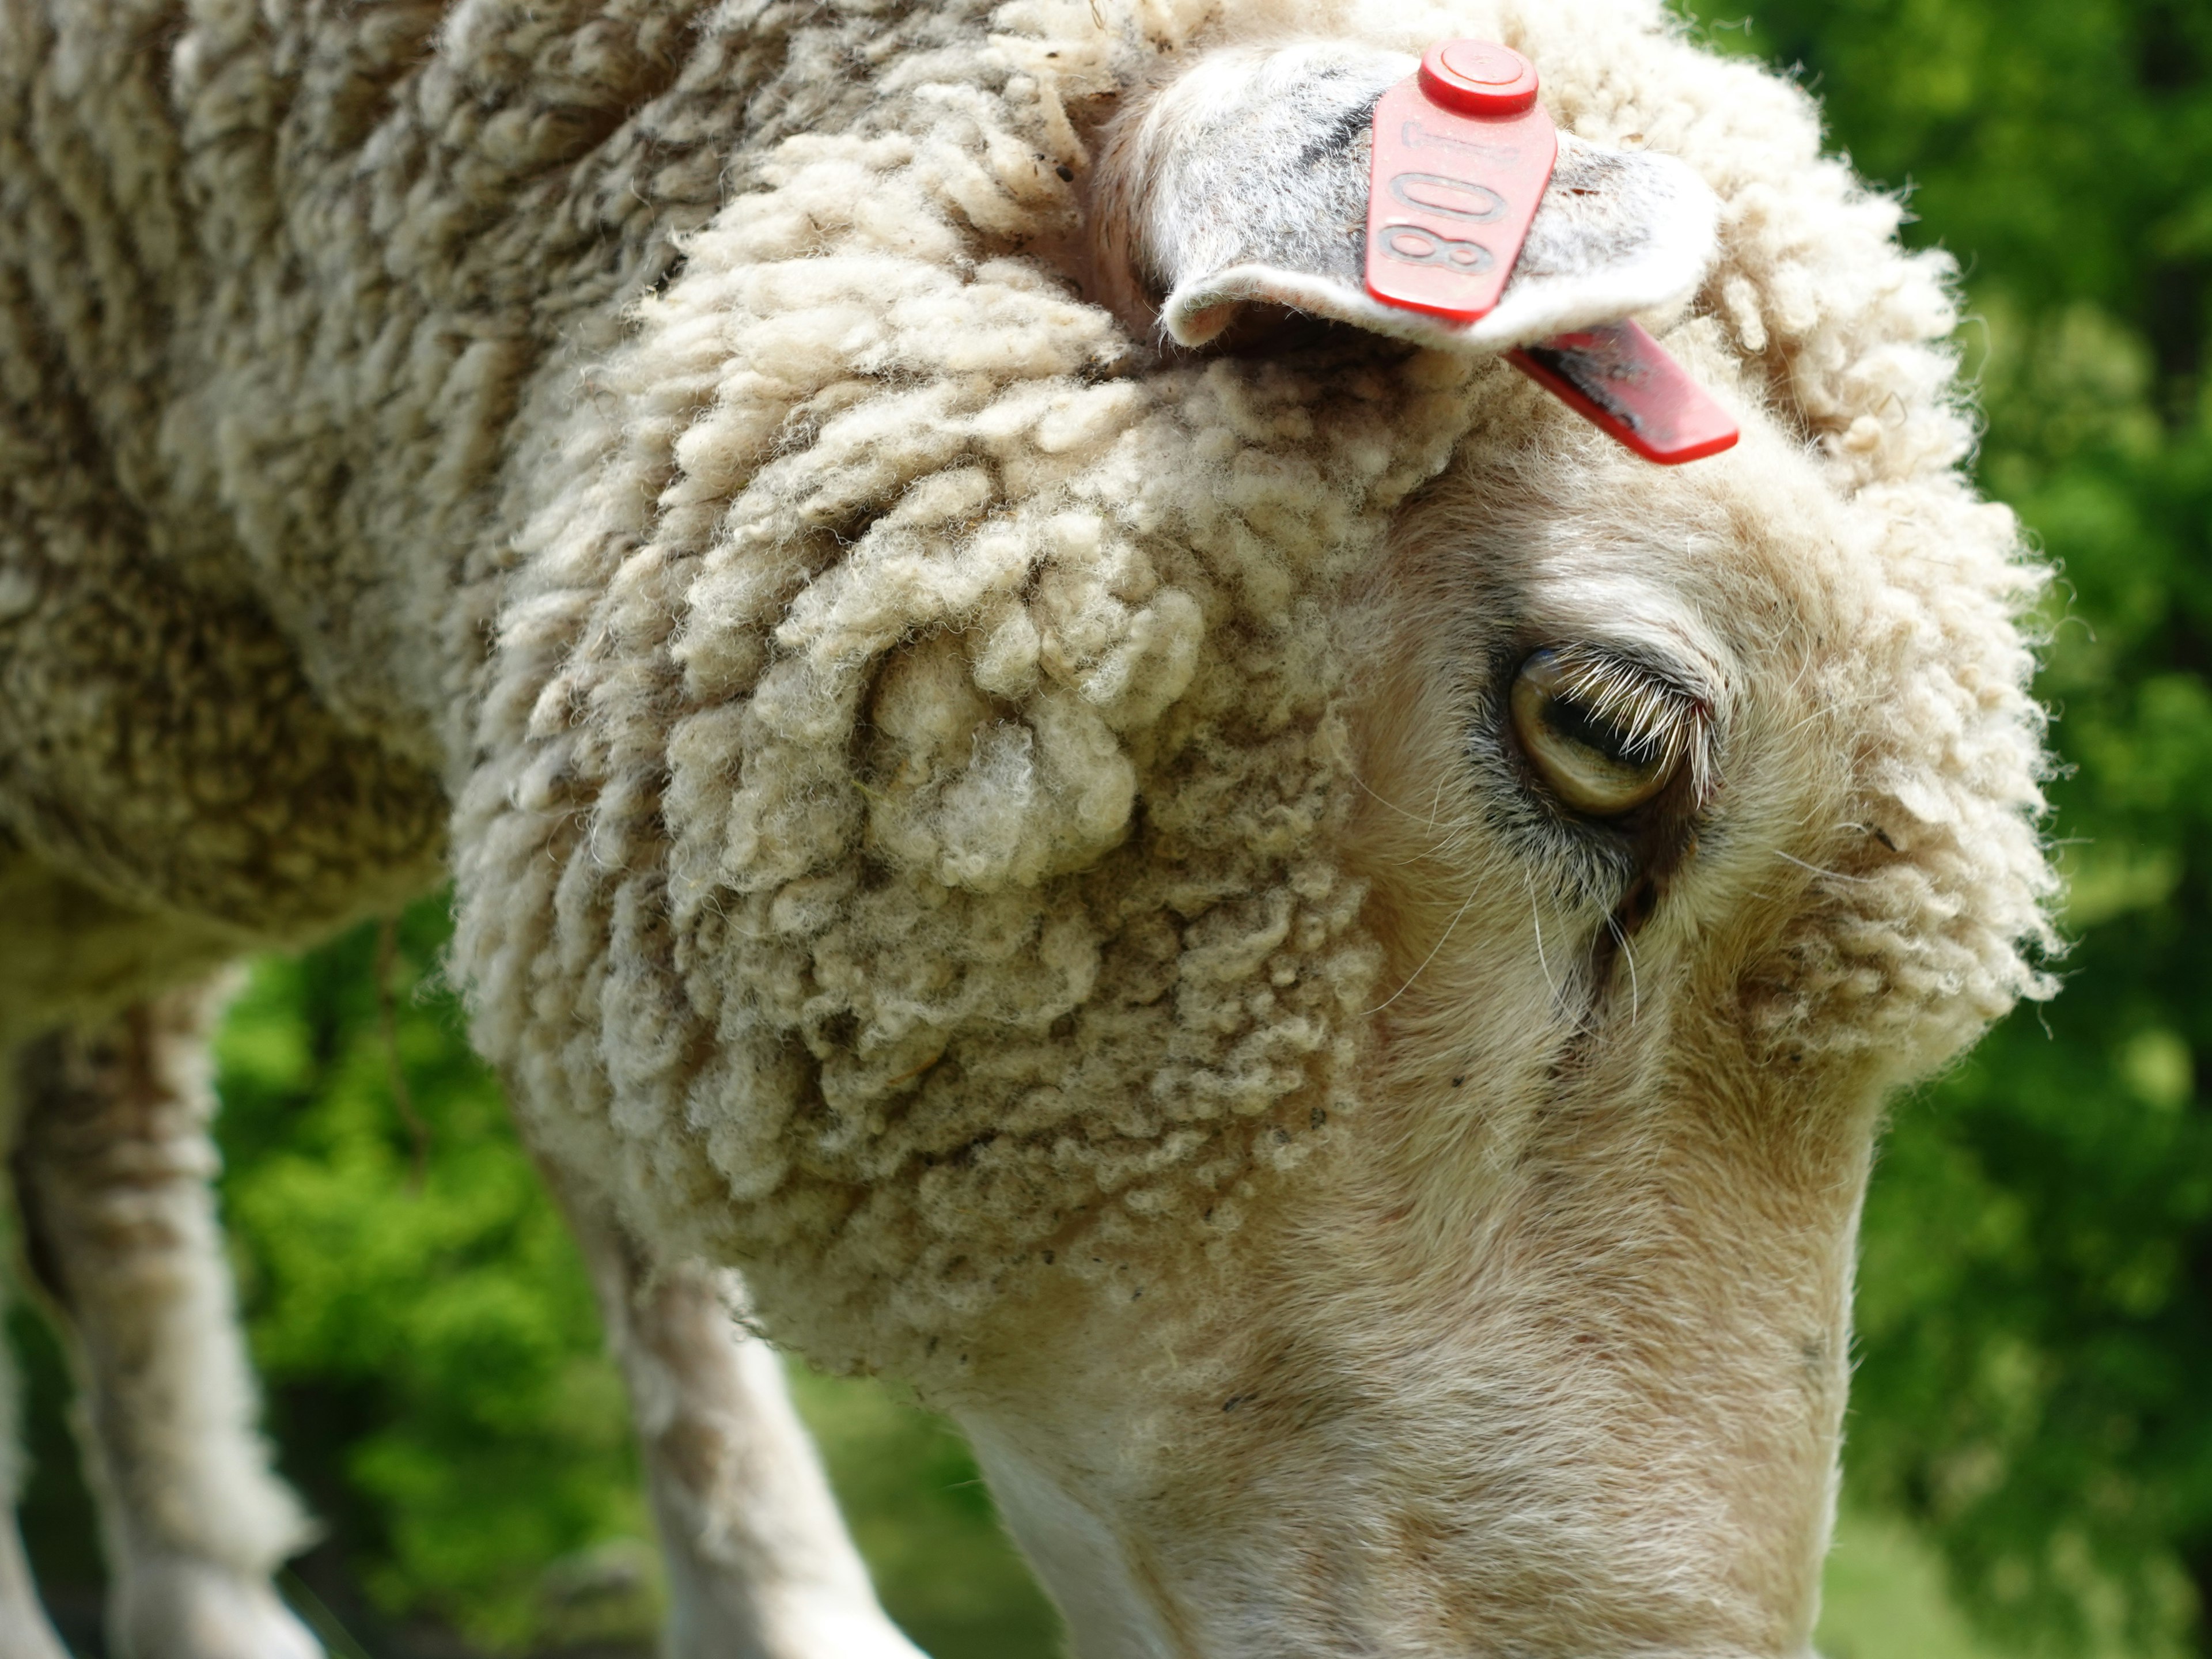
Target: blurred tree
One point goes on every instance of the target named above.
(2036, 1308)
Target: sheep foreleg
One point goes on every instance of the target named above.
(112, 1167)
(759, 1563)
(23, 1627)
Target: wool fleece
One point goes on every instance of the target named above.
(711, 473)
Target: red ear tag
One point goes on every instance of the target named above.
(1462, 153)
(1620, 378)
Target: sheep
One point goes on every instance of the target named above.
(1044, 796)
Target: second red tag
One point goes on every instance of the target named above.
(1621, 378)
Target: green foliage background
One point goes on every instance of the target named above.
(2033, 1406)
(2036, 1310)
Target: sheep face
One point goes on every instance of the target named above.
(1548, 1355)
(1363, 1186)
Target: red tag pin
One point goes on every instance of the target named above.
(1462, 153)
(1620, 378)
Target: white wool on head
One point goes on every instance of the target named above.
(905, 856)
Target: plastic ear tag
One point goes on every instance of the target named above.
(1619, 377)
(1462, 153)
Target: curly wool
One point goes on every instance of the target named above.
(868, 981)
(905, 856)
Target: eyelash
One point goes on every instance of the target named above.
(1647, 703)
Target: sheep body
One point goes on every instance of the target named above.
(897, 734)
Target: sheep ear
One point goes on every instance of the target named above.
(1253, 175)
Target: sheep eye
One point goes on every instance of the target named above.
(1603, 736)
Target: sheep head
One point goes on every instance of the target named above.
(1306, 943)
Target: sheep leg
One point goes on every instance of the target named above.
(759, 1563)
(112, 1169)
(24, 1631)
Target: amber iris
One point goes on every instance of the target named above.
(1586, 747)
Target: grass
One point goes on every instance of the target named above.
(1883, 1597)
